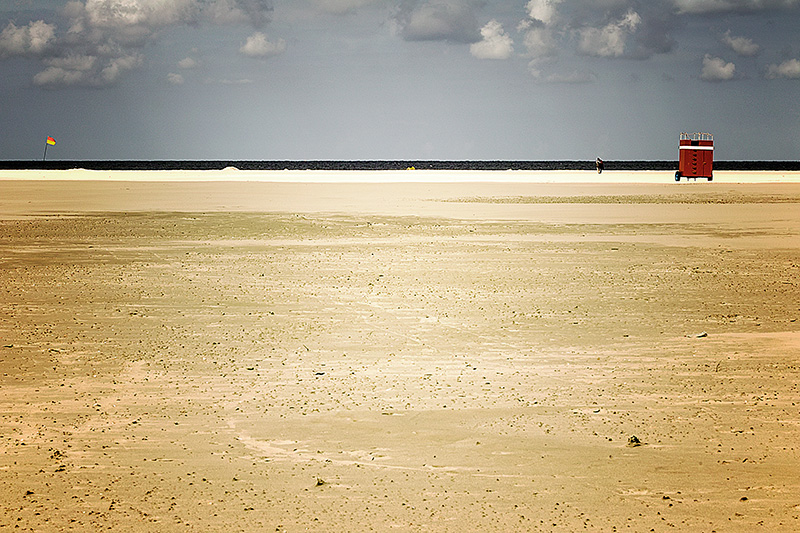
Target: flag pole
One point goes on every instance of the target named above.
(48, 140)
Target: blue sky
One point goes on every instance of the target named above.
(398, 79)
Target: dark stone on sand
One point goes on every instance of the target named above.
(633, 441)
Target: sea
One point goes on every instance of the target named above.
(142, 165)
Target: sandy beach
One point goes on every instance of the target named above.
(524, 353)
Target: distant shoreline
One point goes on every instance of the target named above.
(498, 165)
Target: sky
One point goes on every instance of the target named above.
(398, 79)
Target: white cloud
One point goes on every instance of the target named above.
(70, 70)
(741, 45)
(438, 20)
(143, 17)
(54, 76)
(32, 39)
(496, 43)
(716, 69)
(257, 45)
(73, 69)
(545, 11)
(594, 28)
(608, 41)
(175, 79)
(187, 63)
(539, 42)
(87, 70)
(789, 69)
(125, 13)
(78, 62)
(129, 22)
(116, 66)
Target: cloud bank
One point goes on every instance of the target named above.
(99, 41)
(610, 40)
(32, 39)
(104, 38)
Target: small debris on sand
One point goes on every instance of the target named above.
(633, 441)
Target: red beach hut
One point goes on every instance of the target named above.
(696, 156)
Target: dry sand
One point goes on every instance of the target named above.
(258, 356)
